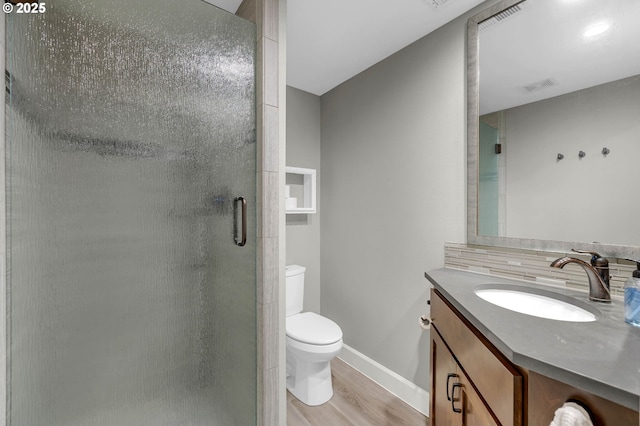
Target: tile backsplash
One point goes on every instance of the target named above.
(531, 265)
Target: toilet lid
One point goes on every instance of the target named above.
(314, 329)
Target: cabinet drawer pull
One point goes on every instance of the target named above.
(453, 399)
(449, 376)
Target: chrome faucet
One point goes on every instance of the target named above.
(597, 272)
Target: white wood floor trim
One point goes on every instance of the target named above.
(407, 391)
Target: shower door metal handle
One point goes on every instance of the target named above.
(243, 233)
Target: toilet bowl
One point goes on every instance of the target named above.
(312, 342)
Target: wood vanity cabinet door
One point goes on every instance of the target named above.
(449, 382)
(442, 365)
(474, 411)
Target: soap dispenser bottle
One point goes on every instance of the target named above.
(632, 297)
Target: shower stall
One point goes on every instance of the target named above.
(130, 182)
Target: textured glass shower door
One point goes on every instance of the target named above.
(130, 131)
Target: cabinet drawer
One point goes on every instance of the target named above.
(499, 383)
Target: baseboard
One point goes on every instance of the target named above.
(407, 391)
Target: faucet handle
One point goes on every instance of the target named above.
(592, 253)
(596, 259)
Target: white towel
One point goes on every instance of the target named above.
(571, 414)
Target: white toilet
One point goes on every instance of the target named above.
(312, 341)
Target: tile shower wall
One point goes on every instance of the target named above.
(531, 265)
(266, 15)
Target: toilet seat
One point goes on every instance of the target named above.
(314, 329)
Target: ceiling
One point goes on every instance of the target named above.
(330, 41)
(517, 68)
(325, 48)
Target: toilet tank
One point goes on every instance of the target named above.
(294, 288)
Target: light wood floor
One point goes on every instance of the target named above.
(356, 401)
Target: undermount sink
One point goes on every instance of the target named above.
(537, 302)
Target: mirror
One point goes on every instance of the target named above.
(553, 129)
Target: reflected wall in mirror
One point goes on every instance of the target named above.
(539, 85)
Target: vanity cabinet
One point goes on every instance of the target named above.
(472, 384)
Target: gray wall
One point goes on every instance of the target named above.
(303, 150)
(392, 174)
(594, 189)
(393, 191)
